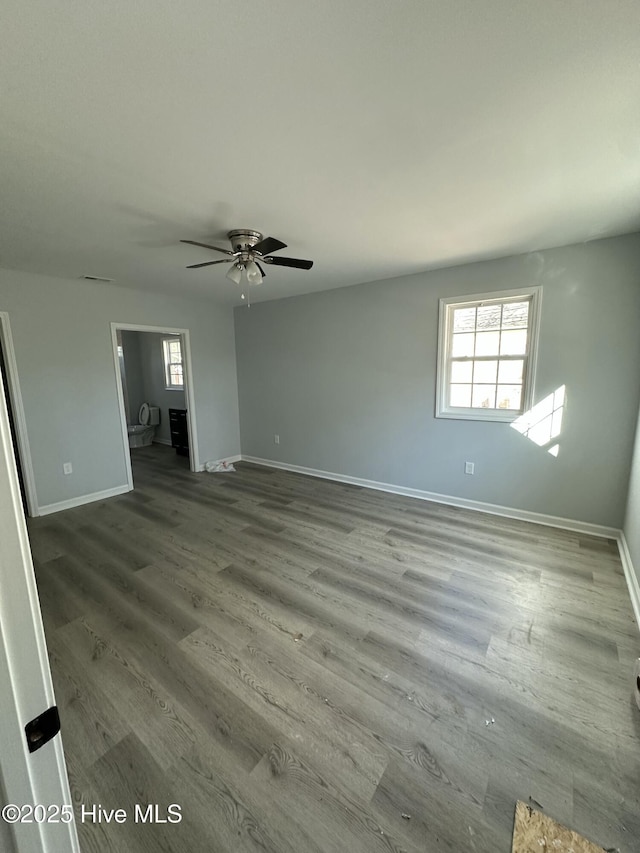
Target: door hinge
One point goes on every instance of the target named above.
(42, 728)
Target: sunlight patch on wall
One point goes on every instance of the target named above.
(543, 422)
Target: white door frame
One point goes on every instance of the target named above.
(183, 334)
(27, 690)
(19, 419)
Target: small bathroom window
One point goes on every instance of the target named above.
(172, 351)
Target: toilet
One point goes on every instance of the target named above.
(141, 434)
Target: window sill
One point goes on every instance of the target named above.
(505, 417)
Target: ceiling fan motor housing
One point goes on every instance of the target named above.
(243, 240)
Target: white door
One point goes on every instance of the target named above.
(38, 778)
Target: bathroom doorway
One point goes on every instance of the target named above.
(155, 393)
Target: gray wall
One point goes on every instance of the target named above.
(632, 516)
(62, 337)
(144, 366)
(347, 379)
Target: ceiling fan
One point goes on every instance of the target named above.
(249, 250)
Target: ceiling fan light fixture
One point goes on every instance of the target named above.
(235, 273)
(254, 276)
(249, 249)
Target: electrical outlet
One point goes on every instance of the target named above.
(469, 467)
(276, 439)
(67, 468)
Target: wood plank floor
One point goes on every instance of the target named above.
(308, 666)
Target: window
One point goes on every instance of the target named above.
(172, 351)
(486, 355)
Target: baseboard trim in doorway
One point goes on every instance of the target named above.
(165, 441)
(479, 506)
(630, 575)
(83, 499)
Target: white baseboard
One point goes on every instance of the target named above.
(83, 499)
(630, 574)
(479, 506)
(166, 441)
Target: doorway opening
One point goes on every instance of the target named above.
(17, 420)
(155, 395)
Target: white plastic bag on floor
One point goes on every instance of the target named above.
(217, 467)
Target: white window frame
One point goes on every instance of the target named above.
(167, 361)
(445, 334)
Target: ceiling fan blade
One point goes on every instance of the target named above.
(209, 264)
(268, 245)
(262, 272)
(298, 263)
(207, 246)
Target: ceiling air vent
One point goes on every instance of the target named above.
(96, 278)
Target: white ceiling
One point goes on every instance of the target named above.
(376, 137)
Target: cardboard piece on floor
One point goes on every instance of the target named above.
(534, 832)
